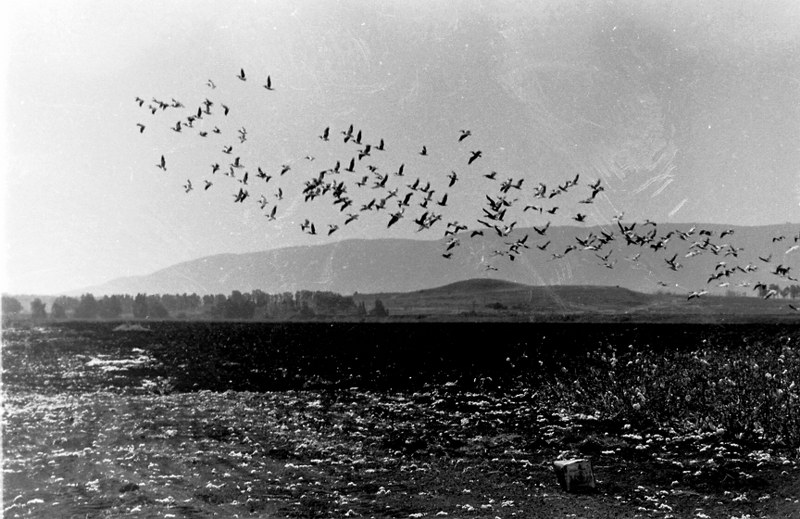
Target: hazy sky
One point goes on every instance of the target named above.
(688, 112)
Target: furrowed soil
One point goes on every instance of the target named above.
(400, 420)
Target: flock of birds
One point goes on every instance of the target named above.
(423, 202)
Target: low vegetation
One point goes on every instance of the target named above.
(203, 419)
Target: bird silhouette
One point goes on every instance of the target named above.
(141, 127)
(464, 135)
(268, 86)
(453, 178)
(475, 155)
(241, 195)
(241, 75)
(163, 164)
(696, 294)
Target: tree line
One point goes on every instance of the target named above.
(789, 291)
(238, 305)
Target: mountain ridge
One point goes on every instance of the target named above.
(404, 265)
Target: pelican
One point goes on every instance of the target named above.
(453, 177)
(697, 294)
(395, 217)
(475, 155)
(241, 196)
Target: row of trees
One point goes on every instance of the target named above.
(237, 305)
(789, 291)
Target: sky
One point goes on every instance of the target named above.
(687, 111)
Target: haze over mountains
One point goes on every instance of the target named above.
(396, 265)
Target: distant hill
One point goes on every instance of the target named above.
(477, 294)
(392, 265)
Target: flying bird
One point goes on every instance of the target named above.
(394, 218)
(141, 127)
(453, 177)
(475, 155)
(163, 164)
(241, 75)
(268, 86)
(241, 196)
(697, 294)
(464, 135)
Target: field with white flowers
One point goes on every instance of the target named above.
(400, 420)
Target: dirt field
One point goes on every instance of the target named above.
(102, 424)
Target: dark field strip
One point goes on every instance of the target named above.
(383, 356)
